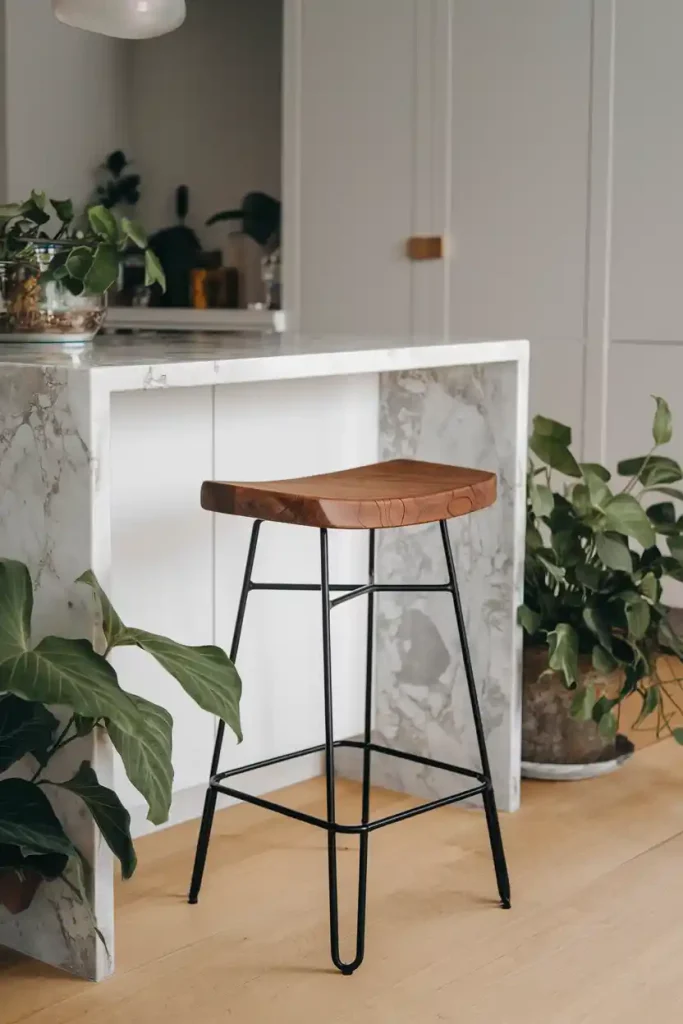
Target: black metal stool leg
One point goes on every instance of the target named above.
(211, 793)
(345, 968)
(492, 822)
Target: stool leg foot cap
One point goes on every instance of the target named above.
(193, 900)
(506, 904)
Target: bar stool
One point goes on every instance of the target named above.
(399, 493)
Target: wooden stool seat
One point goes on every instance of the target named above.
(402, 492)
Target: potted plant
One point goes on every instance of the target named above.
(56, 270)
(595, 625)
(61, 690)
(261, 218)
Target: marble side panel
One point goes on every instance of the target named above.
(50, 474)
(471, 416)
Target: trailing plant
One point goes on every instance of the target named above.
(261, 217)
(597, 550)
(60, 691)
(84, 253)
(120, 185)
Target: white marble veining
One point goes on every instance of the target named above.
(441, 400)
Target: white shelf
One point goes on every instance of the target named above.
(166, 319)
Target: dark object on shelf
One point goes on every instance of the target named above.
(261, 217)
(178, 250)
(121, 188)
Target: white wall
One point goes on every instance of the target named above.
(63, 101)
(205, 111)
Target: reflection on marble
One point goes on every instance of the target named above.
(47, 480)
(470, 416)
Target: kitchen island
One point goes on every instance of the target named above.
(102, 453)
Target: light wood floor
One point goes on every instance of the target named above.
(595, 934)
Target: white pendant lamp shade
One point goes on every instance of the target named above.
(125, 19)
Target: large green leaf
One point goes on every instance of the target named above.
(545, 427)
(663, 517)
(16, 607)
(624, 514)
(541, 499)
(583, 703)
(104, 224)
(205, 673)
(662, 428)
(564, 652)
(72, 674)
(135, 232)
(671, 492)
(676, 547)
(650, 587)
(79, 261)
(597, 470)
(638, 617)
(104, 270)
(603, 662)
(651, 701)
(64, 208)
(652, 470)
(554, 454)
(598, 491)
(28, 821)
(24, 727)
(47, 865)
(613, 552)
(598, 626)
(147, 757)
(154, 272)
(528, 619)
(113, 628)
(111, 817)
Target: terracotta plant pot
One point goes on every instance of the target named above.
(550, 735)
(18, 890)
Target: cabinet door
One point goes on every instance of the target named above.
(356, 165)
(519, 167)
(648, 172)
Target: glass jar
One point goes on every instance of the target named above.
(37, 308)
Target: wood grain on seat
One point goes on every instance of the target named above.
(388, 494)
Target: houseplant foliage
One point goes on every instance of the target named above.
(76, 682)
(54, 264)
(598, 548)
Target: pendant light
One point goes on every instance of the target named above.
(124, 19)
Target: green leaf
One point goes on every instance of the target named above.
(205, 673)
(528, 619)
(74, 285)
(662, 428)
(624, 514)
(16, 607)
(104, 271)
(678, 736)
(8, 211)
(597, 470)
(554, 454)
(556, 571)
(551, 428)
(111, 817)
(48, 865)
(64, 208)
(154, 272)
(588, 576)
(671, 492)
(28, 821)
(598, 491)
(564, 652)
(25, 726)
(79, 261)
(104, 224)
(669, 639)
(649, 587)
(638, 618)
(663, 517)
(581, 499)
(34, 213)
(135, 232)
(541, 500)
(583, 703)
(613, 552)
(598, 626)
(649, 705)
(38, 199)
(603, 662)
(652, 470)
(57, 268)
(608, 726)
(534, 541)
(676, 547)
(147, 757)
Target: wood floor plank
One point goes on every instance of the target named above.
(593, 935)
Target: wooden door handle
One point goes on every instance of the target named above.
(425, 247)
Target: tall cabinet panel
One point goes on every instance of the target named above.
(648, 172)
(357, 123)
(519, 167)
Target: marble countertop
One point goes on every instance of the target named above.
(177, 360)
